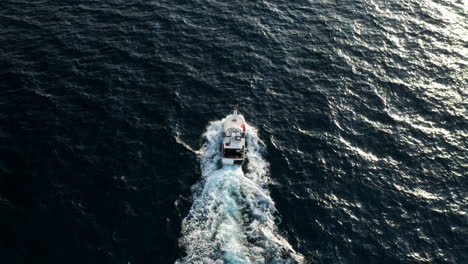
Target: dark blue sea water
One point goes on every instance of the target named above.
(110, 114)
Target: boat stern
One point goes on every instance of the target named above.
(228, 161)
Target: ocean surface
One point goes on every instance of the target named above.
(110, 121)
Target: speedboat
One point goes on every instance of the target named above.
(233, 149)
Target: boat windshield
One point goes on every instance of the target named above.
(233, 153)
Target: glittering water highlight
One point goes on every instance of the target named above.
(361, 105)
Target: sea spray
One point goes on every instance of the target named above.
(232, 219)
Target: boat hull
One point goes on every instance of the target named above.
(227, 161)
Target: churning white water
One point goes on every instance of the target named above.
(232, 219)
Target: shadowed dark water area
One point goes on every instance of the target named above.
(361, 106)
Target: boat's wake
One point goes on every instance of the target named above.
(232, 219)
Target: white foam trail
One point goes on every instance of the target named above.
(232, 217)
(185, 145)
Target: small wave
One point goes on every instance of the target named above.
(185, 145)
(232, 219)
